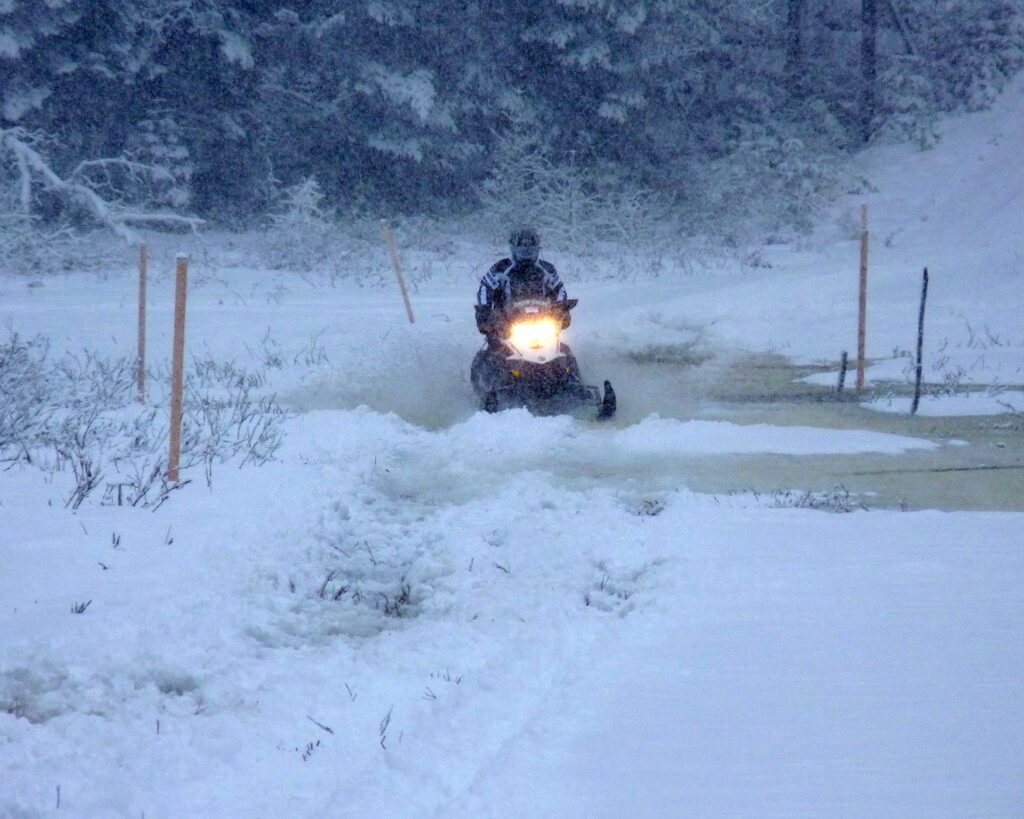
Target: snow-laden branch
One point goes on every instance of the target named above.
(157, 218)
(80, 173)
(29, 159)
(75, 188)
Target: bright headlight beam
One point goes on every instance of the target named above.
(539, 333)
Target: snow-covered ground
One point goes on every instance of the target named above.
(421, 610)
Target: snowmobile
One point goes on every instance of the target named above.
(532, 367)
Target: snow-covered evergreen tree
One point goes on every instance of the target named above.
(405, 104)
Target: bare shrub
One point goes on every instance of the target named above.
(573, 207)
(26, 397)
(838, 500)
(77, 415)
(303, 232)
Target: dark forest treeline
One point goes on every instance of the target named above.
(413, 104)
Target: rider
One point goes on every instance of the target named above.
(523, 276)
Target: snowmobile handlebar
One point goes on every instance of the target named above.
(492, 320)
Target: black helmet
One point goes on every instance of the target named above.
(524, 245)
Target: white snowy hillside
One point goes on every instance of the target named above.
(957, 209)
(745, 596)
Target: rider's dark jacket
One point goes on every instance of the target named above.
(509, 281)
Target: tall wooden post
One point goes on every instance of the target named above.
(389, 240)
(140, 375)
(863, 300)
(177, 367)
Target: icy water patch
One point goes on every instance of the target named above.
(980, 464)
(976, 463)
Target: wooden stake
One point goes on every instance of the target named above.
(863, 302)
(920, 344)
(140, 375)
(389, 240)
(177, 367)
(843, 365)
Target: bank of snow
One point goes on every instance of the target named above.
(957, 209)
(386, 615)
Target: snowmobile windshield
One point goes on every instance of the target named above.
(523, 309)
(528, 311)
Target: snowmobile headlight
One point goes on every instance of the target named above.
(534, 333)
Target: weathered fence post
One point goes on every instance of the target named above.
(862, 308)
(389, 240)
(140, 375)
(177, 367)
(920, 344)
(843, 365)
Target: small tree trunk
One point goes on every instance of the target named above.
(920, 345)
(868, 65)
(862, 301)
(25, 185)
(901, 26)
(795, 46)
(140, 373)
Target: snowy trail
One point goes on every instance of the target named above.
(797, 681)
(507, 567)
